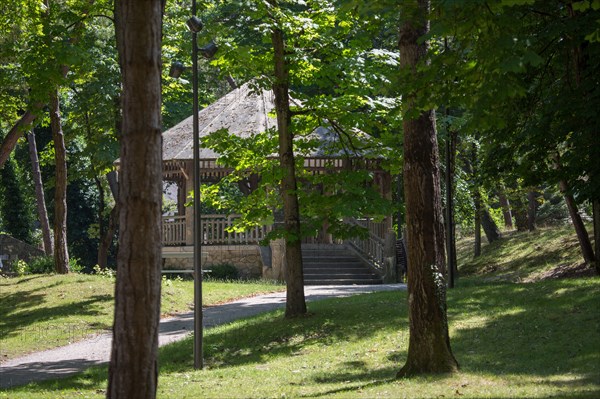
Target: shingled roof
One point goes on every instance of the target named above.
(243, 111)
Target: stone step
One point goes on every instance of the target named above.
(343, 282)
(338, 276)
(332, 265)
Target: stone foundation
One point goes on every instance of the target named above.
(246, 258)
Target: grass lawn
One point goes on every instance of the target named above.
(45, 311)
(512, 340)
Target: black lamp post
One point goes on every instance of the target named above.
(208, 51)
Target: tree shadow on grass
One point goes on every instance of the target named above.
(548, 331)
(19, 319)
(267, 337)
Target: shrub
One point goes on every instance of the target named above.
(20, 267)
(75, 266)
(42, 265)
(224, 271)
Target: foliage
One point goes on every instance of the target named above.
(106, 272)
(42, 265)
(20, 267)
(224, 272)
(16, 217)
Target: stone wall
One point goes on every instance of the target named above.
(17, 249)
(246, 258)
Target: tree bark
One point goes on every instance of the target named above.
(596, 216)
(492, 233)
(506, 212)
(295, 300)
(133, 369)
(106, 239)
(11, 139)
(429, 343)
(61, 251)
(477, 203)
(582, 235)
(531, 210)
(39, 195)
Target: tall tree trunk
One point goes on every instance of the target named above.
(133, 370)
(596, 216)
(492, 233)
(506, 212)
(429, 343)
(295, 301)
(582, 235)
(477, 203)
(519, 212)
(531, 210)
(61, 251)
(39, 196)
(113, 220)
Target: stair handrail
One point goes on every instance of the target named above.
(371, 249)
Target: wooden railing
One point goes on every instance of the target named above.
(371, 248)
(214, 231)
(173, 230)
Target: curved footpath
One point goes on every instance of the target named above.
(72, 359)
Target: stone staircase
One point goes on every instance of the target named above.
(329, 264)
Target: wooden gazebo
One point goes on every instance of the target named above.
(243, 112)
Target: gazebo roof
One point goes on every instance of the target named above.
(243, 111)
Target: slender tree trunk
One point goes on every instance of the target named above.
(24, 123)
(531, 210)
(477, 203)
(113, 221)
(596, 216)
(133, 370)
(492, 233)
(39, 196)
(295, 301)
(61, 251)
(519, 211)
(506, 212)
(429, 343)
(582, 235)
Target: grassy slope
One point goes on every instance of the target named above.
(522, 256)
(45, 311)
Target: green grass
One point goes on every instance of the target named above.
(521, 256)
(39, 312)
(534, 340)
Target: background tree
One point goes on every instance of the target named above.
(429, 343)
(133, 370)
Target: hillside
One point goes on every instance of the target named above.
(550, 252)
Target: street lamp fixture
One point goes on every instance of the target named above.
(176, 69)
(208, 51)
(194, 24)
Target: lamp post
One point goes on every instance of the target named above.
(195, 26)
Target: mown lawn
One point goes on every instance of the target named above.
(39, 312)
(534, 340)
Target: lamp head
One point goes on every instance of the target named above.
(209, 50)
(176, 69)
(194, 24)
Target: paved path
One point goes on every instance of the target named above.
(72, 359)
